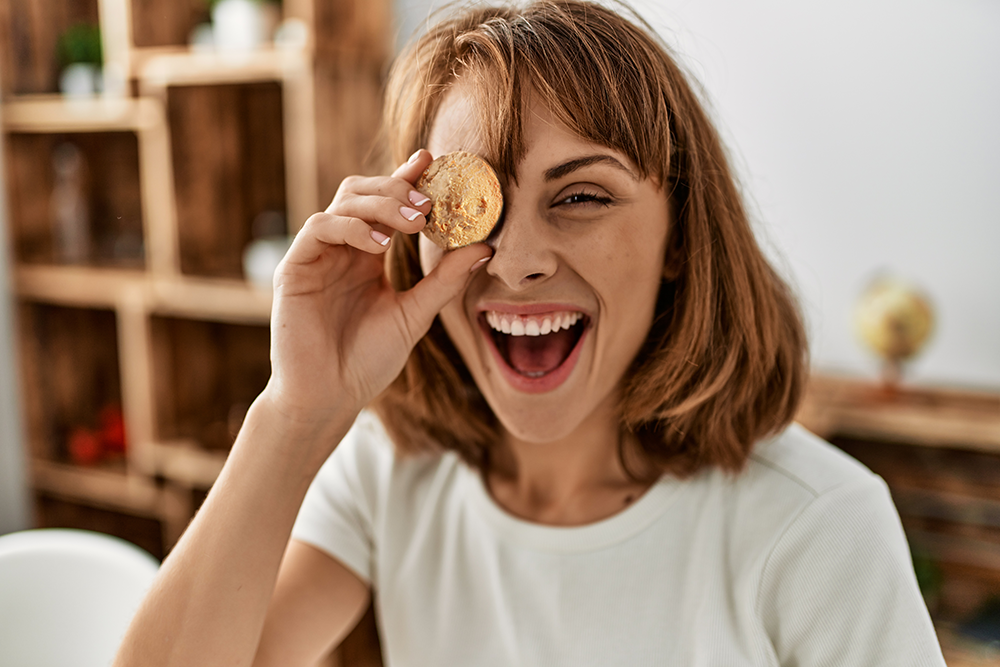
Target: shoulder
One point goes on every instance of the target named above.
(836, 578)
(805, 464)
(367, 463)
(798, 486)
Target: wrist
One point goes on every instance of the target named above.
(302, 438)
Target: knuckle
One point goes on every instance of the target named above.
(315, 219)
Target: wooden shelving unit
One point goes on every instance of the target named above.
(938, 449)
(158, 321)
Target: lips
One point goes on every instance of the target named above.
(536, 348)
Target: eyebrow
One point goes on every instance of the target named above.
(579, 163)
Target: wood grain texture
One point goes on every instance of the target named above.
(72, 370)
(29, 37)
(111, 190)
(228, 168)
(208, 374)
(166, 22)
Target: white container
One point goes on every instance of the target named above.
(238, 26)
(261, 258)
(80, 80)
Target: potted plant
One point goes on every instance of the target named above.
(80, 57)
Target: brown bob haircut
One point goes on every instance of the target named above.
(724, 363)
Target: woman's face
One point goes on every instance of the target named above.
(550, 326)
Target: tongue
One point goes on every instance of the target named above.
(539, 354)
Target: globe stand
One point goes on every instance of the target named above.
(891, 377)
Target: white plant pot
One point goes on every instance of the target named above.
(80, 80)
(238, 26)
(261, 258)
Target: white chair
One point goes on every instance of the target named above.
(67, 596)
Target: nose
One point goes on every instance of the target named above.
(523, 250)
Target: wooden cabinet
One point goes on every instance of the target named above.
(140, 317)
(938, 450)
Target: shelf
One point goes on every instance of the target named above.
(210, 300)
(112, 490)
(186, 463)
(29, 41)
(79, 286)
(206, 299)
(75, 197)
(128, 219)
(167, 67)
(70, 371)
(205, 376)
(952, 418)
(228, 171)
(55, 113)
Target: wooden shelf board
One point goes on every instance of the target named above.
(952, 418)
(55, 113)
(98, 487)
(74, 285)
(185, 67)
(216, 300)
(186, 463)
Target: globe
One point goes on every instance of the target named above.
(894, 319)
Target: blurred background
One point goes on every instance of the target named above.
(158, 154)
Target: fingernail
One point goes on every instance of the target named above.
(380, 238)
(413, 158)
(409, 213)
(418, 198)
(479, 263)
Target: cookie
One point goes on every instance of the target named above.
(466, 199)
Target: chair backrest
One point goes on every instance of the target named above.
(67, 596)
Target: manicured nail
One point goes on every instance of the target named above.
(480, 263)
(413, 158)
(409, 213)
(418, 198)
(380, 238)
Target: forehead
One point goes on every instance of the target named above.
(456, 125)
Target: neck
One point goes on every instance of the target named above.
(574, 480)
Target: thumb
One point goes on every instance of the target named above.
(424, 301)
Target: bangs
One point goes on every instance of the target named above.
(611, 92)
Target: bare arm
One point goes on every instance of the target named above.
(339, 335)
(316, 602)
(209, 601)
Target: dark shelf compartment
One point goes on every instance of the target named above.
(207, 374)
(72, 386)
(229, 167)
(110, 189)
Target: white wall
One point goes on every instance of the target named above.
(14, 512)
(868, 136)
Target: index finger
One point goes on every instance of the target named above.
(411, 169)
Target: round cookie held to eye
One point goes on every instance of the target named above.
(466, 197)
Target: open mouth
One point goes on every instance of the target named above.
(538, 346)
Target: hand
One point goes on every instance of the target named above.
(339, 332)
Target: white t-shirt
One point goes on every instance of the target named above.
(800, 560)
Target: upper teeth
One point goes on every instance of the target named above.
(531, 325)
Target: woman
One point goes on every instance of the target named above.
(624, 488)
